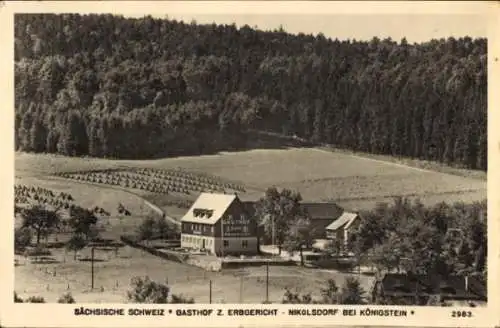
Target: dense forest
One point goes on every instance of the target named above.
(109, 86)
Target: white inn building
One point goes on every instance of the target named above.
(220, 224)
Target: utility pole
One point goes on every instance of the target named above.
(210, 292)
(222, 237)
(267, 282)
(92, 266)
(273, 231)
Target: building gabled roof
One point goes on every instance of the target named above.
(208, 208)
(345, 220)
(322, 210)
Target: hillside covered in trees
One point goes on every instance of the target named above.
(109, 86)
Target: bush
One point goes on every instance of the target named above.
(35, 299)
(330, 293)
(22, 239)
(352, 292)
(144, 290)
(295, 298)
(66, 299)
(179, 299)
(17, 299)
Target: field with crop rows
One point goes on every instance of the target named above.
(104, 202)
(156, 180)
(355, 182)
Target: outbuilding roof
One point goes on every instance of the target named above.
(346, 219)
(322, 210)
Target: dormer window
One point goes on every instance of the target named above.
(202, 213)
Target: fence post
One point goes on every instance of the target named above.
(241, 290)
(92, 267)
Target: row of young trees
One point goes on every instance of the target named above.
(110, 86)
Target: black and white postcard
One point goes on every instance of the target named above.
(260, 164)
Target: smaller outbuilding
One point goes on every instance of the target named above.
(341, 229)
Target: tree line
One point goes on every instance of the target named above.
(110, 86)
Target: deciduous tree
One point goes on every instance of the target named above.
(43, 221)
(278, 211)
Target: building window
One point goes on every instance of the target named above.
(212, 229)
(244, 243)
(226, 243)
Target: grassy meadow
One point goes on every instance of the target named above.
(113, 275)
(355, 182)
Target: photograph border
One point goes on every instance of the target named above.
(58, 315)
